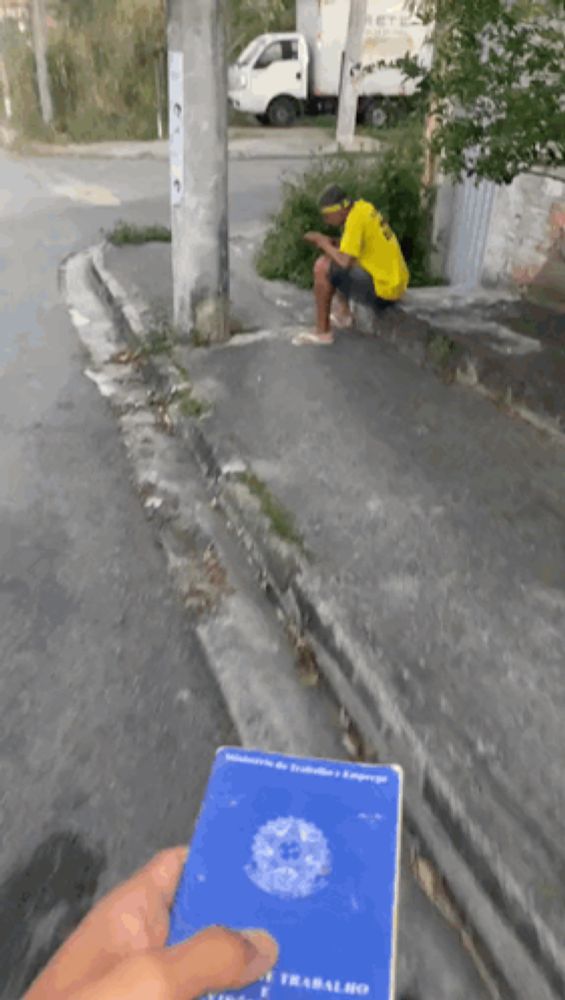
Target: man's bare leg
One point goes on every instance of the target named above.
(339, 312)
(323, 295)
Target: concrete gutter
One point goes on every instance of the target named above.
(241, 637)
(513, 944)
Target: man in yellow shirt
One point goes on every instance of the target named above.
(366, 266)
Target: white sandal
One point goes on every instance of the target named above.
(309, 337)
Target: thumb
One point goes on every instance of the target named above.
(218, 959)
(211, 962)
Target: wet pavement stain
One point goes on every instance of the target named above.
(41, 901)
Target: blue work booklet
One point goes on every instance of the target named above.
(309, 851)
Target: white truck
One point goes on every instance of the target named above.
(279, 76)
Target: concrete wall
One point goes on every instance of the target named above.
(526, 235)
(526, 227)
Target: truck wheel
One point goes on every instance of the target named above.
(375, 114)
(263, 119)
(282, 112)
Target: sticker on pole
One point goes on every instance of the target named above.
(176, 126)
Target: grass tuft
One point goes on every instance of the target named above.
(281, 520)
(127, 234)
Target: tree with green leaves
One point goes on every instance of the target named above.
(249, 18)
(497, 85)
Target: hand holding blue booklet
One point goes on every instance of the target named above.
(309, 851)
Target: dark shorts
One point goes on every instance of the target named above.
(356, 284)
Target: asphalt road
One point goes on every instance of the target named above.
(109, 718)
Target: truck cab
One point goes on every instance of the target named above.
(270, 78)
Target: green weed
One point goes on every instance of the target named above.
(281, 520)
(127, 234)
(440, 350)
(158, 342)
(190, 405)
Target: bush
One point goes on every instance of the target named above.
(392, 184)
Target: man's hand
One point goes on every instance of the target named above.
(118, 952)
(330, 247)
(315, 238)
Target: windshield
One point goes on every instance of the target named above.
(252, 50)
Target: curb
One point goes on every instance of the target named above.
(156, 155)
(452, 360)
(511, 943)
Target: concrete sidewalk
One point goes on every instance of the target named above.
(508, 349)
(424, 556)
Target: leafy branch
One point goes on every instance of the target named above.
(497, 85)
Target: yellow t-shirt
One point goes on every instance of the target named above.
(368, 238)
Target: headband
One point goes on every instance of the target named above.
(330, 209)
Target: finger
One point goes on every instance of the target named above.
(213, 961)
(164, 871)
(133, 916)
(155, 883)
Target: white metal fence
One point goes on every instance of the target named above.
(470, 221)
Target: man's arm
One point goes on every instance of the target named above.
(326, 244)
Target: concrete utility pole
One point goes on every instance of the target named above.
(199, 168)
(348, 91)
(38, 30)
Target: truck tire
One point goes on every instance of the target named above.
(282, 112)
(263, 119)
(375, 114)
